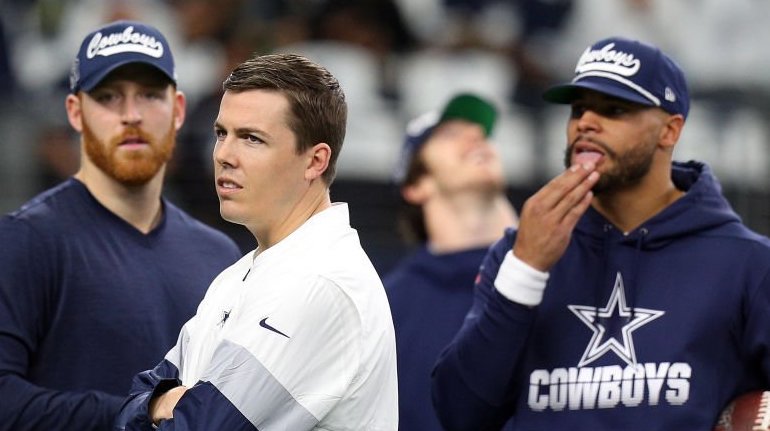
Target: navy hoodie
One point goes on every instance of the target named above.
(657, 329)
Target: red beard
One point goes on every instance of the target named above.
(132, 168)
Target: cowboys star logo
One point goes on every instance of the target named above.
(613, 326)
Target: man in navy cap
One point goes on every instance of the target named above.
(98, 274)
(631, 297)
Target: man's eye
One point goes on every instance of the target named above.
(154, 94)
(253, 139)
(608, 111)
(577, 111)
(104, 97)
(613, 111)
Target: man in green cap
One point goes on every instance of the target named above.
(452, 186)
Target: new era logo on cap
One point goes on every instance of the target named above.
(629, 70)
(117, 44)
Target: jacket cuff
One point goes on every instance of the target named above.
(163, 386)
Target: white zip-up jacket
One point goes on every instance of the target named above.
(296, 337)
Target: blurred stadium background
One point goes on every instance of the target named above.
(396, 59)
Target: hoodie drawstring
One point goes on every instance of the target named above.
(631, 284)
(601, 287)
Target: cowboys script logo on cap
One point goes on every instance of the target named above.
(607, 59)
(126, 41)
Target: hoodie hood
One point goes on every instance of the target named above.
(702, 208)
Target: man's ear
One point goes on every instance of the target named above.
(180, 109)
(74, 108)
(418, 192)
(318, 160)
(672, 129)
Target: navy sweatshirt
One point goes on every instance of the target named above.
(87, 301)
(429, 295)
(654, 330)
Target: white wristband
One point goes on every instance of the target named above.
(519, 282)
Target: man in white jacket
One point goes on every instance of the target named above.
(297, 335)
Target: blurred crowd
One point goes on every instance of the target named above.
(395, 58)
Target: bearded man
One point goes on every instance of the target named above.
(631, 296)
(98, 274)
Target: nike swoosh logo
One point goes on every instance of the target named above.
(263, 323)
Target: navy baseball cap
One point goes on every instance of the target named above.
(464, 106)
(117, 44)
(629, 70)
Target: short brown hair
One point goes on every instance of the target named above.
(318, 111)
